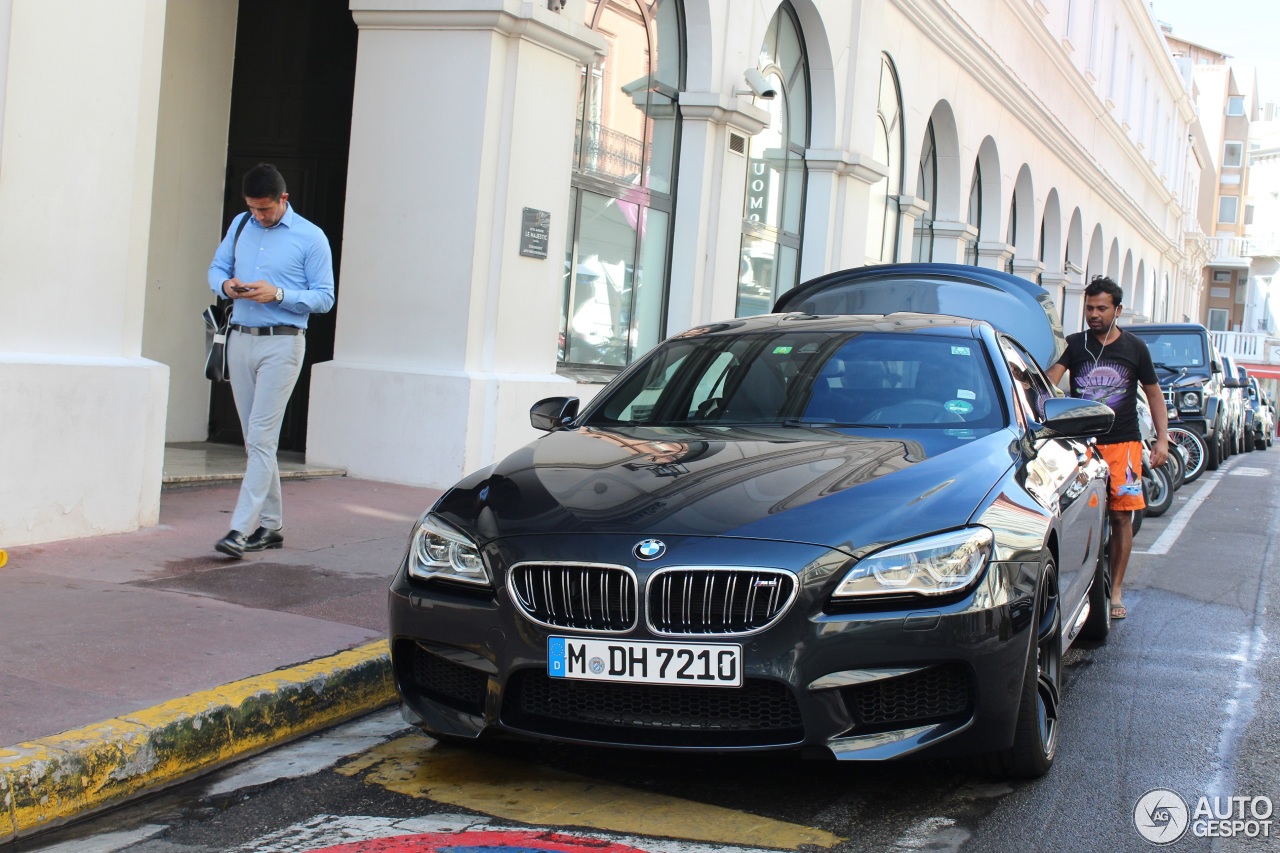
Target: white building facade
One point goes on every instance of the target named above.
(534, 194)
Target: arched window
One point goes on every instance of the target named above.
(776, 174)
(926, 191)
(975, 215)
(882, 218)
(624, 157)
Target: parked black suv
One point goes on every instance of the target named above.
(1190, 372)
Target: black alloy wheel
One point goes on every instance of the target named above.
(1035, 739)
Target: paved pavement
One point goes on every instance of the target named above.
(133, 661)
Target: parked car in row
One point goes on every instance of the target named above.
(864, 527)
(1192, 374)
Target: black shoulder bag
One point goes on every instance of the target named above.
(217, 323)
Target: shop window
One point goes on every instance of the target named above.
(773, 208)
(624, 156)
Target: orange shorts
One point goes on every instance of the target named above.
(1125, 461)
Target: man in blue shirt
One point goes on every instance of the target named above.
(279, 270)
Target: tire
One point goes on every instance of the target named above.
(1035, 736)
(1249, 444)
(1097, 626)
(1138, 515)
(1158, 490)
(1194, 450)
(1177, 465)
(1213, 454)
(1035, 739)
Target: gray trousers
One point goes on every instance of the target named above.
(263, 373)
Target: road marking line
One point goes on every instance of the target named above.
(329, 830)
(537, 795)
(1164, 543)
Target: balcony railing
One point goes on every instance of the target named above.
(1242, 346)
(1241, 249)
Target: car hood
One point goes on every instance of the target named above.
(803, 485)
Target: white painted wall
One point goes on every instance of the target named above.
(186, 202)
(84, 412)
(446, 334)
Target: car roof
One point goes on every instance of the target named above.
(1018, 307)
(899, 322)
(1166, 327)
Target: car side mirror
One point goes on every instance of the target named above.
(1071, 417)
(553, 413)
(1215, 367)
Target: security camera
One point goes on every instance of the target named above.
(759, 84)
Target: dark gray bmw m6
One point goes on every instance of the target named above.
(864, 526)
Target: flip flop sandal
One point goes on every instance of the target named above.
(1118, 611)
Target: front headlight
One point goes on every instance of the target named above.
(1190, 400)
(440, 551)
(934, 565)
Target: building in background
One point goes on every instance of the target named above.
(1244, 254)
(524, 196)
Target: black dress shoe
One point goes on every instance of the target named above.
(263, 539)
(233, 544)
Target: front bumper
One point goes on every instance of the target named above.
(918, 678)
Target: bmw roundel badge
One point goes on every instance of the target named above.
(651, 549)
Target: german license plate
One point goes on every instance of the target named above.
(689, 664)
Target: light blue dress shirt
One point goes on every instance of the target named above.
(293, 255)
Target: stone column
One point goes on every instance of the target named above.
(994, 256)
(463, 117)
(1028, 269)
(1073, 303)
(1054, 282)
(910, 209)
(84, 412)
(950, 240)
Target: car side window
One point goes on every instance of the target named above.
(1030, 385)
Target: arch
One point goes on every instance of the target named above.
(1113, 261)
(1051, 246)
(702, 67)
(1141, 293)
(946, 140)
(1094, 265)
(1075, 254)
(1022, 209)
(824, 107)
(992, 189)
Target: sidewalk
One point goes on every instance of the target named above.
(135, 661)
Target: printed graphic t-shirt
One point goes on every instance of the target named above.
(1111, 375)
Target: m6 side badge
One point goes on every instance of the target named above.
(650, 549)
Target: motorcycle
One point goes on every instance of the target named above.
(1158, 482)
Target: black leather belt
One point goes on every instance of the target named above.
(268, 330)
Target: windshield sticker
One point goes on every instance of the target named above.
(959, 350)
(966, 395)
(781, 350)
(959, 407)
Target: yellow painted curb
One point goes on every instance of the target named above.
(56, 779)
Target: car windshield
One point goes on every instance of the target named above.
(795, 378)
(1174, 350)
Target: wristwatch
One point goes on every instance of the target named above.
(279, 294)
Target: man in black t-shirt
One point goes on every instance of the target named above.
(1108, 364)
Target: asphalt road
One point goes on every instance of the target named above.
(1184, 697)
